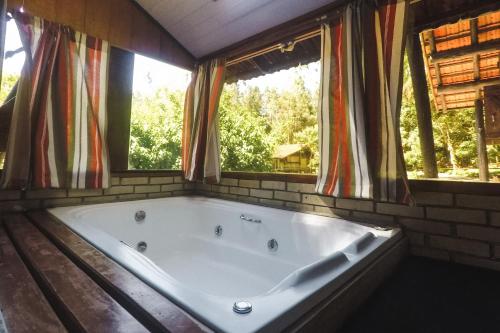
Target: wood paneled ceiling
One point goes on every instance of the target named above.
(205, 26)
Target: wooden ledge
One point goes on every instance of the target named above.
(55, 281)
(416, 185)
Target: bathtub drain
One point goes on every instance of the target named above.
(242, 307)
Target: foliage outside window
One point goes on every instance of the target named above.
(157, 114)
(454, 140)
(11, 70)
(267, 128)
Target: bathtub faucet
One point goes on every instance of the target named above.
(249, 219)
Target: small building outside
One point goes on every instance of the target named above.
(294, 158)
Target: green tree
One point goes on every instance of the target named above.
(156, 130)
(253, 123)
(243, 131)
(293, 115)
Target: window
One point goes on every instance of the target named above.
(463, 86)
(269, 123)
(157, 113)
(11, 71)
(13, 60)
(454, 134)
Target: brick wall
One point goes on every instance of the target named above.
(452, 226)
(450, 222)
(124, 186)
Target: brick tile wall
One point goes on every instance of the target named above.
(452, 226)
(123, 188)
(457, 227)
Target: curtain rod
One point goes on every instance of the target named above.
(290, 29)
(274, 47)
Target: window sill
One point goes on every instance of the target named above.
(138, 173)
(416, 185)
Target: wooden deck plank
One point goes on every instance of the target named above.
(79, 301)
(155, 311)
(23, 306)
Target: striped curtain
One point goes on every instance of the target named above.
(360, 100)
(200, 138)
(57, 137)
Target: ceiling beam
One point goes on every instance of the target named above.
(452, 16)
(466, 51)
(467, 86)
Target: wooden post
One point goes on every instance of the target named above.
(120, 80)
(482, 154)
(422, 104)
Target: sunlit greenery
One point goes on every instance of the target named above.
(155, 130)
(252, 123)
(8, 82)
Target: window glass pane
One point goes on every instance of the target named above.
(11, 71)
(13, 60)
(455, 139)
(269, 123)
(157, 112)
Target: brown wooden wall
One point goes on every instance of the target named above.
(121, 22)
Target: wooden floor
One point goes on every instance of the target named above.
(428, 296)
(51, 280)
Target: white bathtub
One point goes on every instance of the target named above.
(205, 273)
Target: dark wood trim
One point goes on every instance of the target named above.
(482, 152)
(422, 105)
(120, 85)
(152, 309)
(80, 303)
(467, 86)
(23, 305)
(146, 173)
(165, 31)
(452, 16)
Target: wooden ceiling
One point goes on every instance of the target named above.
(461, 59)
(205, 26)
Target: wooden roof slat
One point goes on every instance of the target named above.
(466, 51)
(79, 301)
(467, 86)
(159, 314)
(462, 58)
(24, 307)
